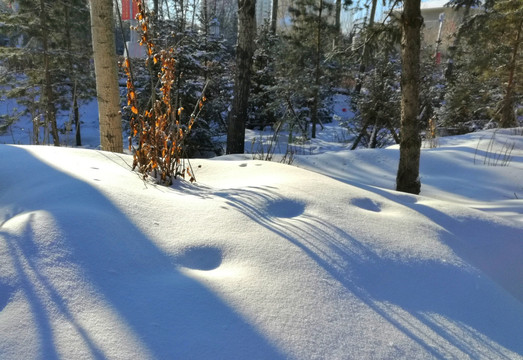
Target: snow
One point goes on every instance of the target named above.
(434, 4)
(321, 259)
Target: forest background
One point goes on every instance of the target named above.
(303, 55)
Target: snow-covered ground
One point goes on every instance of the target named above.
(260, 260)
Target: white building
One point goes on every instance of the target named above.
(440, 24)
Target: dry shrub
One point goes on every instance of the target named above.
(158, 134)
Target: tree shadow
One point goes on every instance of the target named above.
(470, 316)
(474, 239)
(96, 274)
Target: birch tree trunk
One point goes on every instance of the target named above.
(242, 82)
(106, 71)
(407, 179)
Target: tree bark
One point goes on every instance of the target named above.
(274, 16)
(407, 179)
(76, 115)
(156, 8)
(242, 82)
(317, 73)
(337, 20)
(106, 73)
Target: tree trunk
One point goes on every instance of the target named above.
(76, 115)
(156, 8)
(274, 16)
(337, 20)
(106, 72)
(50, 111)
(317, 70)
(508, 118)
(35, 115)
(242, 82)
(407, 179)
(182, 15)
(205, 18)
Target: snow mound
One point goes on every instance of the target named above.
(256, 260)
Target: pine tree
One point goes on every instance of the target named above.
(305, 68)
(378, 107)
(262, 106)
(491, 50)
(47, 60)
(377, 75)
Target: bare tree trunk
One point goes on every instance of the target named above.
(242, 82)
(35, 115)
(337, 21)
(274, 16)
(182, 16)
(205, 18)
(508, 118)
(194, 5)
(106, 72)
(76, 116)
(317, 70)
(167, 10)
(407, 179)
(156, 8)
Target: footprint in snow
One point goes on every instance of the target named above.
(204, 258)
(366, 204)
(285, 208)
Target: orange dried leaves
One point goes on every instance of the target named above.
(157, 133)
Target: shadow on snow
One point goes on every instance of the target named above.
(173, 315)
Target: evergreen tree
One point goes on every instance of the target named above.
(469, 101)
(262, 104)
(490, 56)
(378, 107)
(202, 60)
(304, 68)
(48, 60)
(379, 76)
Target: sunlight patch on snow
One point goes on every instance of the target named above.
(61, 305)
(258, 259)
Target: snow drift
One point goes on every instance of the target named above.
(257, 260)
